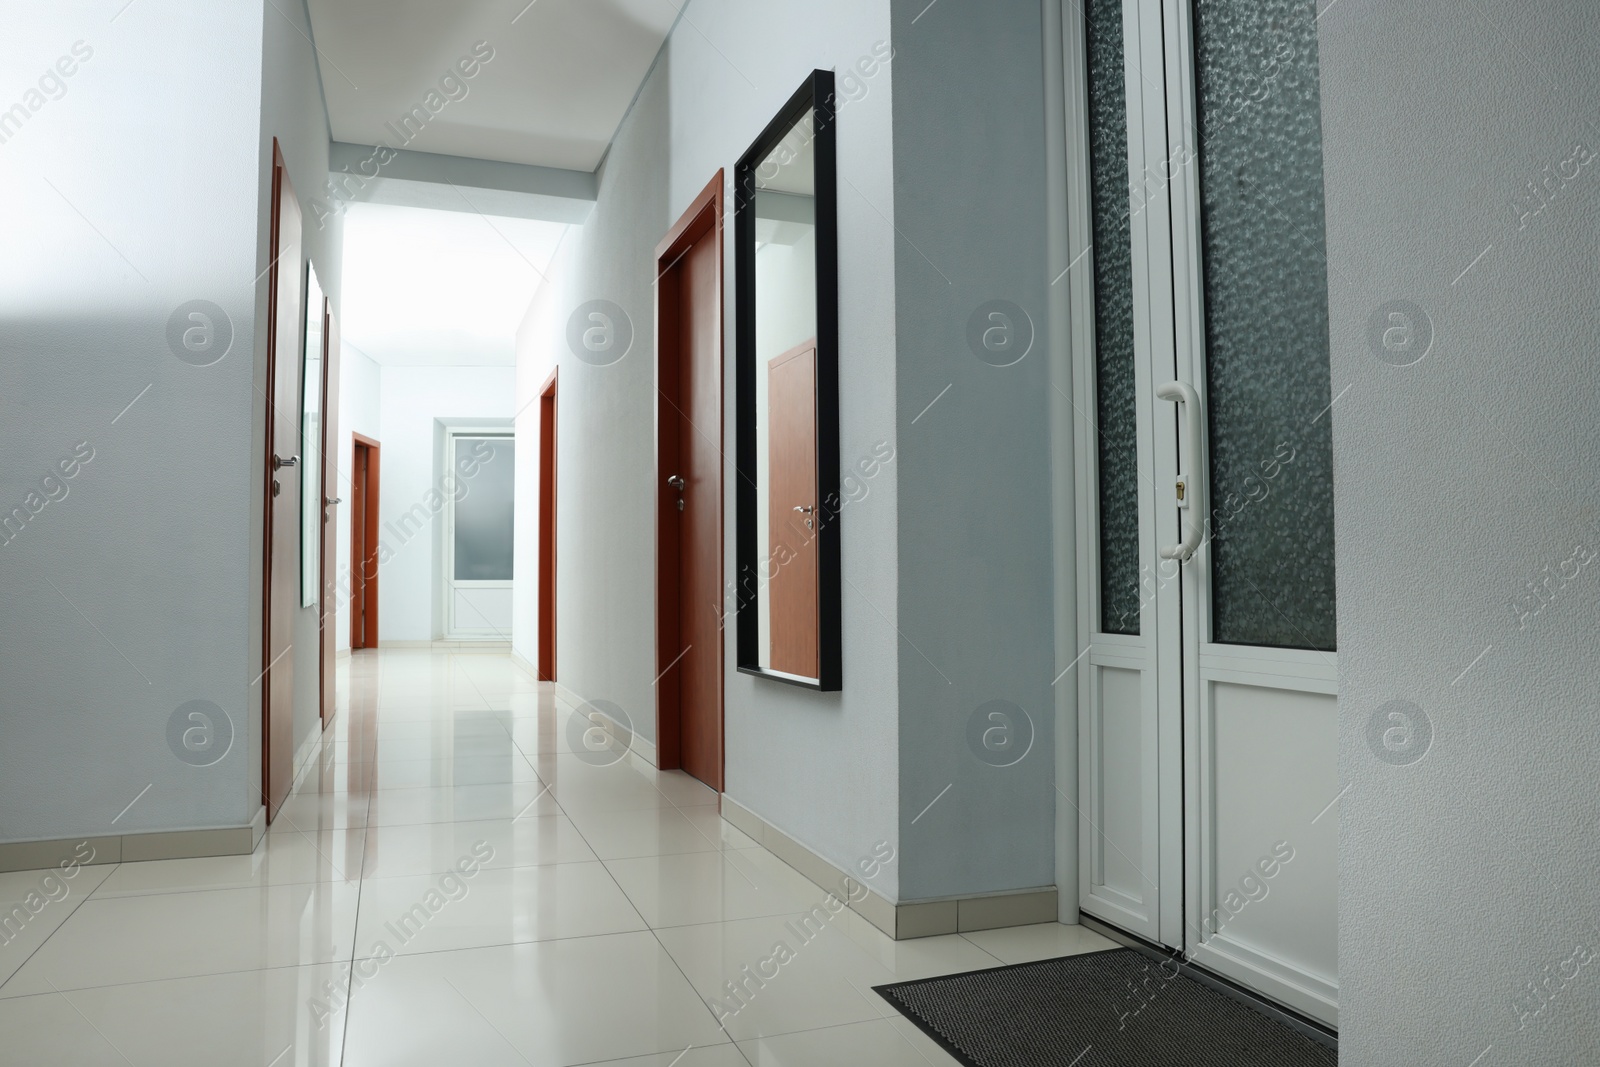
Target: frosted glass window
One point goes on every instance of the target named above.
(1113, 320)
(485, 473)
(1266, 305)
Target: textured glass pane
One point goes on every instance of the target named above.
(1266, 303)
(1113, 321)
(483, 509)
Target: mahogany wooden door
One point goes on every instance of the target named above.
(689, 597)
(792, 520)
(547, 530)
(328, 607)
(280, 578)
(364, 468)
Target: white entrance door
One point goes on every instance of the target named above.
(1207, 704)
(478, 535)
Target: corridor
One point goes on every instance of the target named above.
(460, 878)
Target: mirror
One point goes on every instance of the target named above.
(788, 446)
(311, 441)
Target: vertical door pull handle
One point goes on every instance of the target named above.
(1183, 393)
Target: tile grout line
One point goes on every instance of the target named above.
(679, 803)
(654, 930)
(355, 922)
(47, 937)
(651, 930)
(182, 978)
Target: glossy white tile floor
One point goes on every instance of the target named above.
(450, 884)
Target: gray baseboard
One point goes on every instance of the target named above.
(132, 848)
(910, 919)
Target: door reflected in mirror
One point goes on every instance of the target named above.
(786, 410)
(788, 432)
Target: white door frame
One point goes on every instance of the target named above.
(457, 629)
(1177, 665)
(1155, 910)
(1206, 663)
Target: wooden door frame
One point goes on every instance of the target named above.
(280, 180)
(368, 588)
(547, 529)
(704, 214)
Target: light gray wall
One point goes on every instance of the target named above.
(822, 766)
(1470, 873)
(538, 340)
(975, 571)
(292, 110)
(131, 194)
(414, 400)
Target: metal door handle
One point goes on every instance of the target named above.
(330, 502)
(804, 509)
(677, 482)
(279, 462)
(1193, 419)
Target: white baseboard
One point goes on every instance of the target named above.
(901, 921)
(463, 645)
(131, 848)
(641, 748)
(309, 749)
(524, 665)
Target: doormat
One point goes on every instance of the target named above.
(1117, 1008)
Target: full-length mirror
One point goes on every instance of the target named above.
(311, 441)
(788, 526)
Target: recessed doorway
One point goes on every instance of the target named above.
(280, 567)
(363, 542)
(547, 530)
(478, 526)
(689, 594)
(1207, 694)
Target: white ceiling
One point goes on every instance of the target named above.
(440, 288)
(562, 74)
(792, 166)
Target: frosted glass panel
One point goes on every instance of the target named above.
(1266, 305)
(483, 510)
(1113, 320)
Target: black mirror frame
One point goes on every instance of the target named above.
(816, 95)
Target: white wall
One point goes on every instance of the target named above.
(973, 470)
(536, 359)
(414, 404)
(360, 382)
(822, 766)
(1465, 505)
(133, 593)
